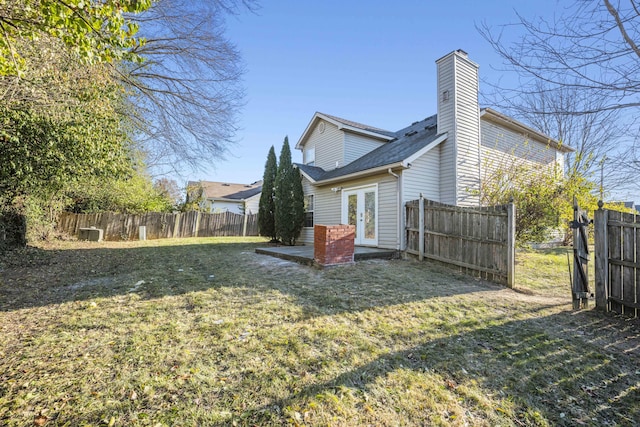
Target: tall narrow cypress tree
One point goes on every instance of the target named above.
(289, 199)
(267, 209)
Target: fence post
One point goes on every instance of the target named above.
(601, 256)
(511, 245)
(421, 228)
(244, 225)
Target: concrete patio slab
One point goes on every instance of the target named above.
(304, 254)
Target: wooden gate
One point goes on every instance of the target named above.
(580, 285)
(617, 250)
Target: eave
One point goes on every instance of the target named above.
(515, 125)
(341, 126)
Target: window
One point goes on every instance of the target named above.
(308, 210)
(310, 156)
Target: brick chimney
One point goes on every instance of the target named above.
(459, 116)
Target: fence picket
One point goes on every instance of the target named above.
(615, 270)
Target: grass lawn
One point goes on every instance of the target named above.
(201, 332)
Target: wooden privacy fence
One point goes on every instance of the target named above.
(617, 261)
(161, 225)
(478, 240)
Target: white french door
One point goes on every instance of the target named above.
(360, 208)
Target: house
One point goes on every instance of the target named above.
(363, 175)
(220, 197)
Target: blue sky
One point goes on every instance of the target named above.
(371, 62)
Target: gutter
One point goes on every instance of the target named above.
(364, 173)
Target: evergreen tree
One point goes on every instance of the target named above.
(289, 199)
(267, 209)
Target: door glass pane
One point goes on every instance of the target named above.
(370, 215)
(352, 210)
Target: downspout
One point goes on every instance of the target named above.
(398, 203)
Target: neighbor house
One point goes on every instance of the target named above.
(363, 175)
(218, 197)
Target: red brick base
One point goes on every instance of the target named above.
(333, 244)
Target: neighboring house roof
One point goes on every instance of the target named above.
(228, 191)
(409, 143)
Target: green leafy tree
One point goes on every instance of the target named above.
(97, 31)
(133, 194)
(539, 197)
(266, 210)
(289, 199)
(194, 199)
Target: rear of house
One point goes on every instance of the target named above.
(363, 175)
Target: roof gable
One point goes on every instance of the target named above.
(344, 125)
(411, 141)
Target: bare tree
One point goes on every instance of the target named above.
(578, 81)
(595, 135)
(591, 46)
(188, 88)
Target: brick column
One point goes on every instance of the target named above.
(333, 244)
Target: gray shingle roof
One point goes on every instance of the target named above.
(361, 126)
(408, 141)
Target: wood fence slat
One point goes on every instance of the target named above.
(615, 271)
(628, 255)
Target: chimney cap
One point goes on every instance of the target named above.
(462, 52)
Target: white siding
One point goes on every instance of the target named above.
(459, 115)
(326, 209)
(446, 123)
(503, 148)
(356, 146)
(252, 204)
(329, 146)
(423, 177)
(467, 134)
(224, 206)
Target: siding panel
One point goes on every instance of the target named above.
(422, 178)
(356, 146)
(329, 146)
(502, 148)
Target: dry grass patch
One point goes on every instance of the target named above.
(206, 332)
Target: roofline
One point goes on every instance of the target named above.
(514, 124)
(426, 148)
(341, 126)
(311, 180)
(364, 173)
(404, 164)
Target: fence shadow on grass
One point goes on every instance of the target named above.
(566, 377)
(35, 277)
